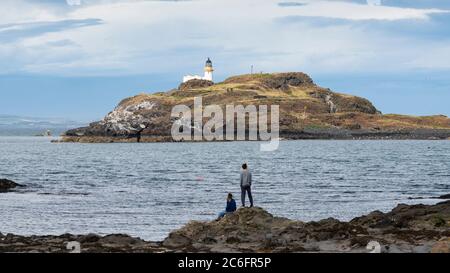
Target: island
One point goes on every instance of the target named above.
(306, 111)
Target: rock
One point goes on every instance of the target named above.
(193, 84)
(445, 196)
(90, 238)
(407, 228)
(283, 81)
(119, 239)
(176, 240)
(254, 229)
(442, 246)
(6, 185)
(375, 219)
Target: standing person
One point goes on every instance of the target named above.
(231, 206)
(246, 184)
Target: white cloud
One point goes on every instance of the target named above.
(18, 11)
(353, 11)
(172, 36)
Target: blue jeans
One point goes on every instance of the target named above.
(222, 214)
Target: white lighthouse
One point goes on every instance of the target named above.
(208, 76)
(208, 70)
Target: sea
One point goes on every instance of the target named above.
(149, 189)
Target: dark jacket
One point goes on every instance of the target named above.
(231, 206)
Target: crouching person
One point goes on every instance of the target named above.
(231, 206)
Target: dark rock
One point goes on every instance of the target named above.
(176, 240)
(193, 84)
(284, 80)
(233, 240)
(360, 241)
(119, 239)
(7, 185)
(209, 240)
(90, 238)
(445, 196)
(255, 230)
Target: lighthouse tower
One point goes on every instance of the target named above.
(208, 70)
(208, 73)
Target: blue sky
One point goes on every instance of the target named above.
(77, 59)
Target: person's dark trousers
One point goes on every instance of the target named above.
(247, 189)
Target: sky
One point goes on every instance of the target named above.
(78, 59)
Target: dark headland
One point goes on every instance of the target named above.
(407, 228)
(307, 111)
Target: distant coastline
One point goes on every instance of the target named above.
(12, 125)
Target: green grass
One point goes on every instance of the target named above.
(316, 126)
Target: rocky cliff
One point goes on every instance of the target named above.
(306, 111)
(407, 228)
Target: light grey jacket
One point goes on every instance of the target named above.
(246, 178)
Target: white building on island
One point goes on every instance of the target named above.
(208, 73)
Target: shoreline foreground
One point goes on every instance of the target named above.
(407, 228)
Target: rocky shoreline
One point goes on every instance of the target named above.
(346, 134)
(322, 134)
(407, 228)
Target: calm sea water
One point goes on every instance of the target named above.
(147, 190)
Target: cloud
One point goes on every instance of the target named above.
(12, 32)
(146, 37)
(372, 10)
